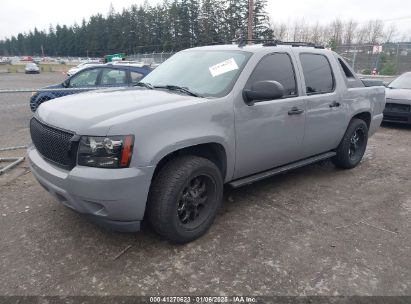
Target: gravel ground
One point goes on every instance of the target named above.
(313, 231)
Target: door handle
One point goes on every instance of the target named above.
(334, 104)
(295, 111)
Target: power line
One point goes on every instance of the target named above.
(398, 19)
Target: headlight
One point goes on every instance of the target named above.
(105, 152)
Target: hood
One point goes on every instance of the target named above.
(54, 86)
(401, 94)
(94, 112)
(73, 70)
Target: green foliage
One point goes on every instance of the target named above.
(366, 72)
(172, 25)
(261, 22)
(389, 68)
(332, 44)
(387, 65)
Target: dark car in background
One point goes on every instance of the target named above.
(398, 94)
(108, 75)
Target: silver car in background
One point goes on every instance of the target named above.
(31, 68)
(398, 94)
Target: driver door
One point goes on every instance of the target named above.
(270, 133)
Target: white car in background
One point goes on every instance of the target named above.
(81, 66)
(31, 68)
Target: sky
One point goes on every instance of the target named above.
(23, 15)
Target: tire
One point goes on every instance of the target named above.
(185, 198)
(353, 145)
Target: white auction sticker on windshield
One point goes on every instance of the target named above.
(223, 67)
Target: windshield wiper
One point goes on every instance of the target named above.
(144, 84)
(172, 87)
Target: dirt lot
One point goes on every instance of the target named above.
(314, 231)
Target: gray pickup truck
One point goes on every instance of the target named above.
(206, 117)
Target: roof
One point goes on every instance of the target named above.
(255, 48)
(134, 67)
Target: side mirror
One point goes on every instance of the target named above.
(263, 90)
(65, 83)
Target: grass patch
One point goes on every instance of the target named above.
(44, 67)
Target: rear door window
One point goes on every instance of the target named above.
(113, 77)
(135, 77)
(317, 72)
(277, 67)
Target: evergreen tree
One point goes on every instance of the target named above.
(171, 25)
(236, 19)
(211, 21)
(261, 21)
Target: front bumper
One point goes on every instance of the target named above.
(398, 111)
(115, 198)
(397, 117)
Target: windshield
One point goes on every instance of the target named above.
(402, 82)
(205, 73)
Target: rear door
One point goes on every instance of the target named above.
(325, 112)
(270, 133)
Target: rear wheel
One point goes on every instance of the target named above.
(352, 147)
(184, 198)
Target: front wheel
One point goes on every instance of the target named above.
(352, 147)
(184, 198)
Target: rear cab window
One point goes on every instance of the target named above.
(350, 78)
(318, 75)
(277, 67)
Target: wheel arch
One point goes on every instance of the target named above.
(45, 96)
(38, 100)
(365, 116)
(213, 151)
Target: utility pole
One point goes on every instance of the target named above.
(250, 20)
(354, 57)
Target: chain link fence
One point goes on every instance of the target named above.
(14, 136)
(152, 59)
(387, 59)
(16, 107)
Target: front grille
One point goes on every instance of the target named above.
(54, 144)
(397, 107)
